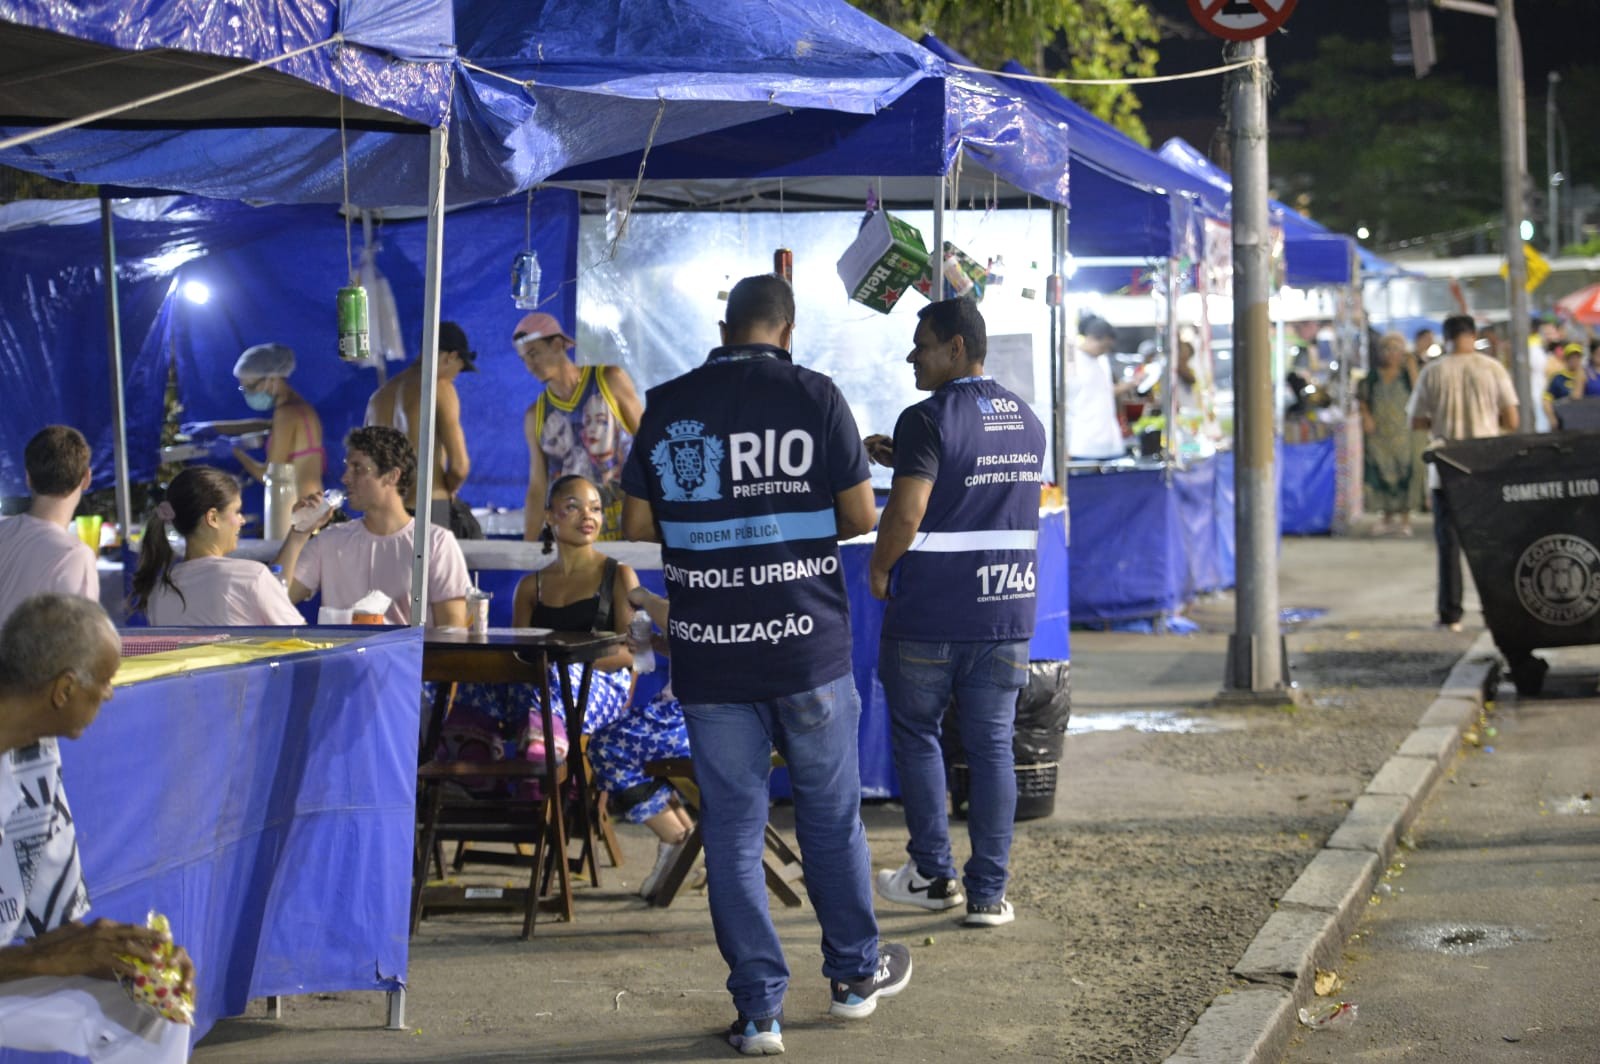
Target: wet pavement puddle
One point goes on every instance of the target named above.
(1149, 720)
(1461, 940)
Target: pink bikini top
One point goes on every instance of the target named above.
(305, 417)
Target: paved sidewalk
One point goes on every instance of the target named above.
(1176, 830)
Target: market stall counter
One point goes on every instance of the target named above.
(258, 786)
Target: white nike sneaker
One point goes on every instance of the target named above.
(907, 886)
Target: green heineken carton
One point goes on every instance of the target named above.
(885, 260)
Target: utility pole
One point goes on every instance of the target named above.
(1552, 176)
(1257, 670)
(1513, 180)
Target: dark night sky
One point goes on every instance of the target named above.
(1555, 34)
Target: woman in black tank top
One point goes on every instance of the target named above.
(584, 590)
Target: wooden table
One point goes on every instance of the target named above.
(519, 655)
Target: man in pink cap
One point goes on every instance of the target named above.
(582, 423)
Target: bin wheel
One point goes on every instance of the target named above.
(1528, 672)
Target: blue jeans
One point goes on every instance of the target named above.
(918, 681)
(732, 743)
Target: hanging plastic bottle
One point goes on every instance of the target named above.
(525, 277)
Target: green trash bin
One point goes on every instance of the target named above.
(1527, 509)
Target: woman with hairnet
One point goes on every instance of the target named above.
(296, 436)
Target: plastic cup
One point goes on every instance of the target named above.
(478, 610)
(88, 528)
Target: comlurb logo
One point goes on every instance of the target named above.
(1558, 579)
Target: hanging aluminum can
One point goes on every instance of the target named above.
(783, 264)
(354, 338)
(1052, 290)
(525, 276)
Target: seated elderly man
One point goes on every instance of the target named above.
(58, 993)
(349, 560)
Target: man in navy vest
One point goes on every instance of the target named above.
(748, 470)
(955, 559)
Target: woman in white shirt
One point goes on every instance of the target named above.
(208, 588)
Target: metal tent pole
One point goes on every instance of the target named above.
(936, 257)
(119, 417)
(1169, 397)
(1060, 351)
(433, 266)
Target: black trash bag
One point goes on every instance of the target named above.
(1043, 708)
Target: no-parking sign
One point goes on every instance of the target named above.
(1241, 20)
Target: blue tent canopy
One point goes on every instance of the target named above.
(540, 87)
(920, 133)
(1130, 201)
(1314, 254)
(389, 58)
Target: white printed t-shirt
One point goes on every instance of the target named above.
(1092, 430)
(41, 881)
(41, 888)
(38, 556)
(346, 561)
(222, 592)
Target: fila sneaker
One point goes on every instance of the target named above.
(855, 999)
(906, 886)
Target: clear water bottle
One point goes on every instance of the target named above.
(277, 574)
(639, 629)
(306, 520)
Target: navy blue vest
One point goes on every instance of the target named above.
(971, 573)
(740, 460)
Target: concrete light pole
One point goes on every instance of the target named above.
(1513, 182)
(1257, 669)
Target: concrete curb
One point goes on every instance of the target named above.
(1252, 1025)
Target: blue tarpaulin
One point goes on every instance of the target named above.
(1313, 254)
(267, 810)
(539, 87)
(1144, 542)
(920, 133)
(271, 274)
(1128, 200)
(1307, 486)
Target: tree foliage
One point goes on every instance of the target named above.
(1058, 38)
(1365, 144)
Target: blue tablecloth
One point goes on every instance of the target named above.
(268, 809)
(1146, 541)
(1306, 487)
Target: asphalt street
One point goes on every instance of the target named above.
(1480, 943)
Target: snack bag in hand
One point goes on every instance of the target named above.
(160, 985)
